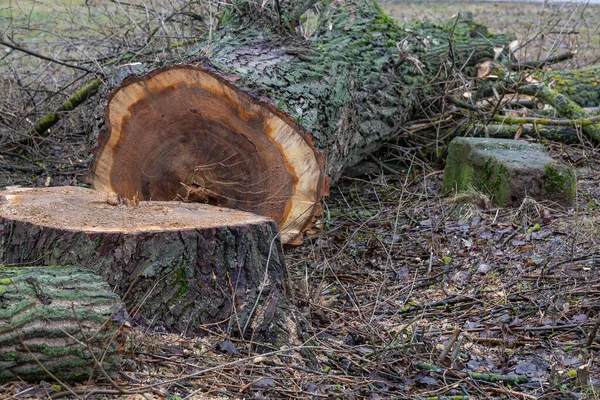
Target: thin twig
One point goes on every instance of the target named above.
(43, 57)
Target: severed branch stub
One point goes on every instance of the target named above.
(188, 133)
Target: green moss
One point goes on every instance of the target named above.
(494, 181)
(70, 104)
(48, 119)
(459, 175)
(561, 180)
(496, 168)
(5, 281)
(383, 17)
(9, 356)
(182, 281)
(465, 177)
(579, 84)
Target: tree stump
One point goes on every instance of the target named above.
(180, 265)
(58, 322)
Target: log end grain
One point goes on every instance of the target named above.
(189, 133)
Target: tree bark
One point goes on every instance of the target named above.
(358, 79)
(348, 89)
(58, 323)
(581, 85)
(176, 265)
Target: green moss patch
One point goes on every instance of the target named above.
(507, 171)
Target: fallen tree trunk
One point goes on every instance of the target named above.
(185, 133)
(175, 265)
(58, 323)
(244, 124)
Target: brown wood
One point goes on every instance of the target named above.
(187, 133)
(180, 265)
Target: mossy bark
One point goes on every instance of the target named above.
(74, 101)
(231, 277)
(565, 107)
(58, 322)
(581, 85)
(357, 80)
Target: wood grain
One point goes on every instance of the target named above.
(187, 133)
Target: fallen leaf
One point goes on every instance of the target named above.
(228, 347)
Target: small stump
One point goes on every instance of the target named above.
(180, 265)
(507, 170)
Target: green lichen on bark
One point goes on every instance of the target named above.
(581, 85)
(181, 283)
(87, 91)
(564, 106)
(55, 316)
(358, 79)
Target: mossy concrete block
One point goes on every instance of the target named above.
(507, 170)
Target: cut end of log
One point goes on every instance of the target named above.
(187, 133)
(80, 209)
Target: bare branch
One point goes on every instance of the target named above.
(43, 57)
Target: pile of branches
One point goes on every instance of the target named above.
(511, 99)
(49, 73)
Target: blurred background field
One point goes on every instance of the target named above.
(80, 28)
(544, 28)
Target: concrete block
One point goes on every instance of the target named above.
(507, 170)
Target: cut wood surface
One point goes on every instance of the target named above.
(235, 126)
(184, 133)
(179, 265)
(58, 322)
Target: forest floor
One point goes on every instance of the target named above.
(408, 294)
(405, 293)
